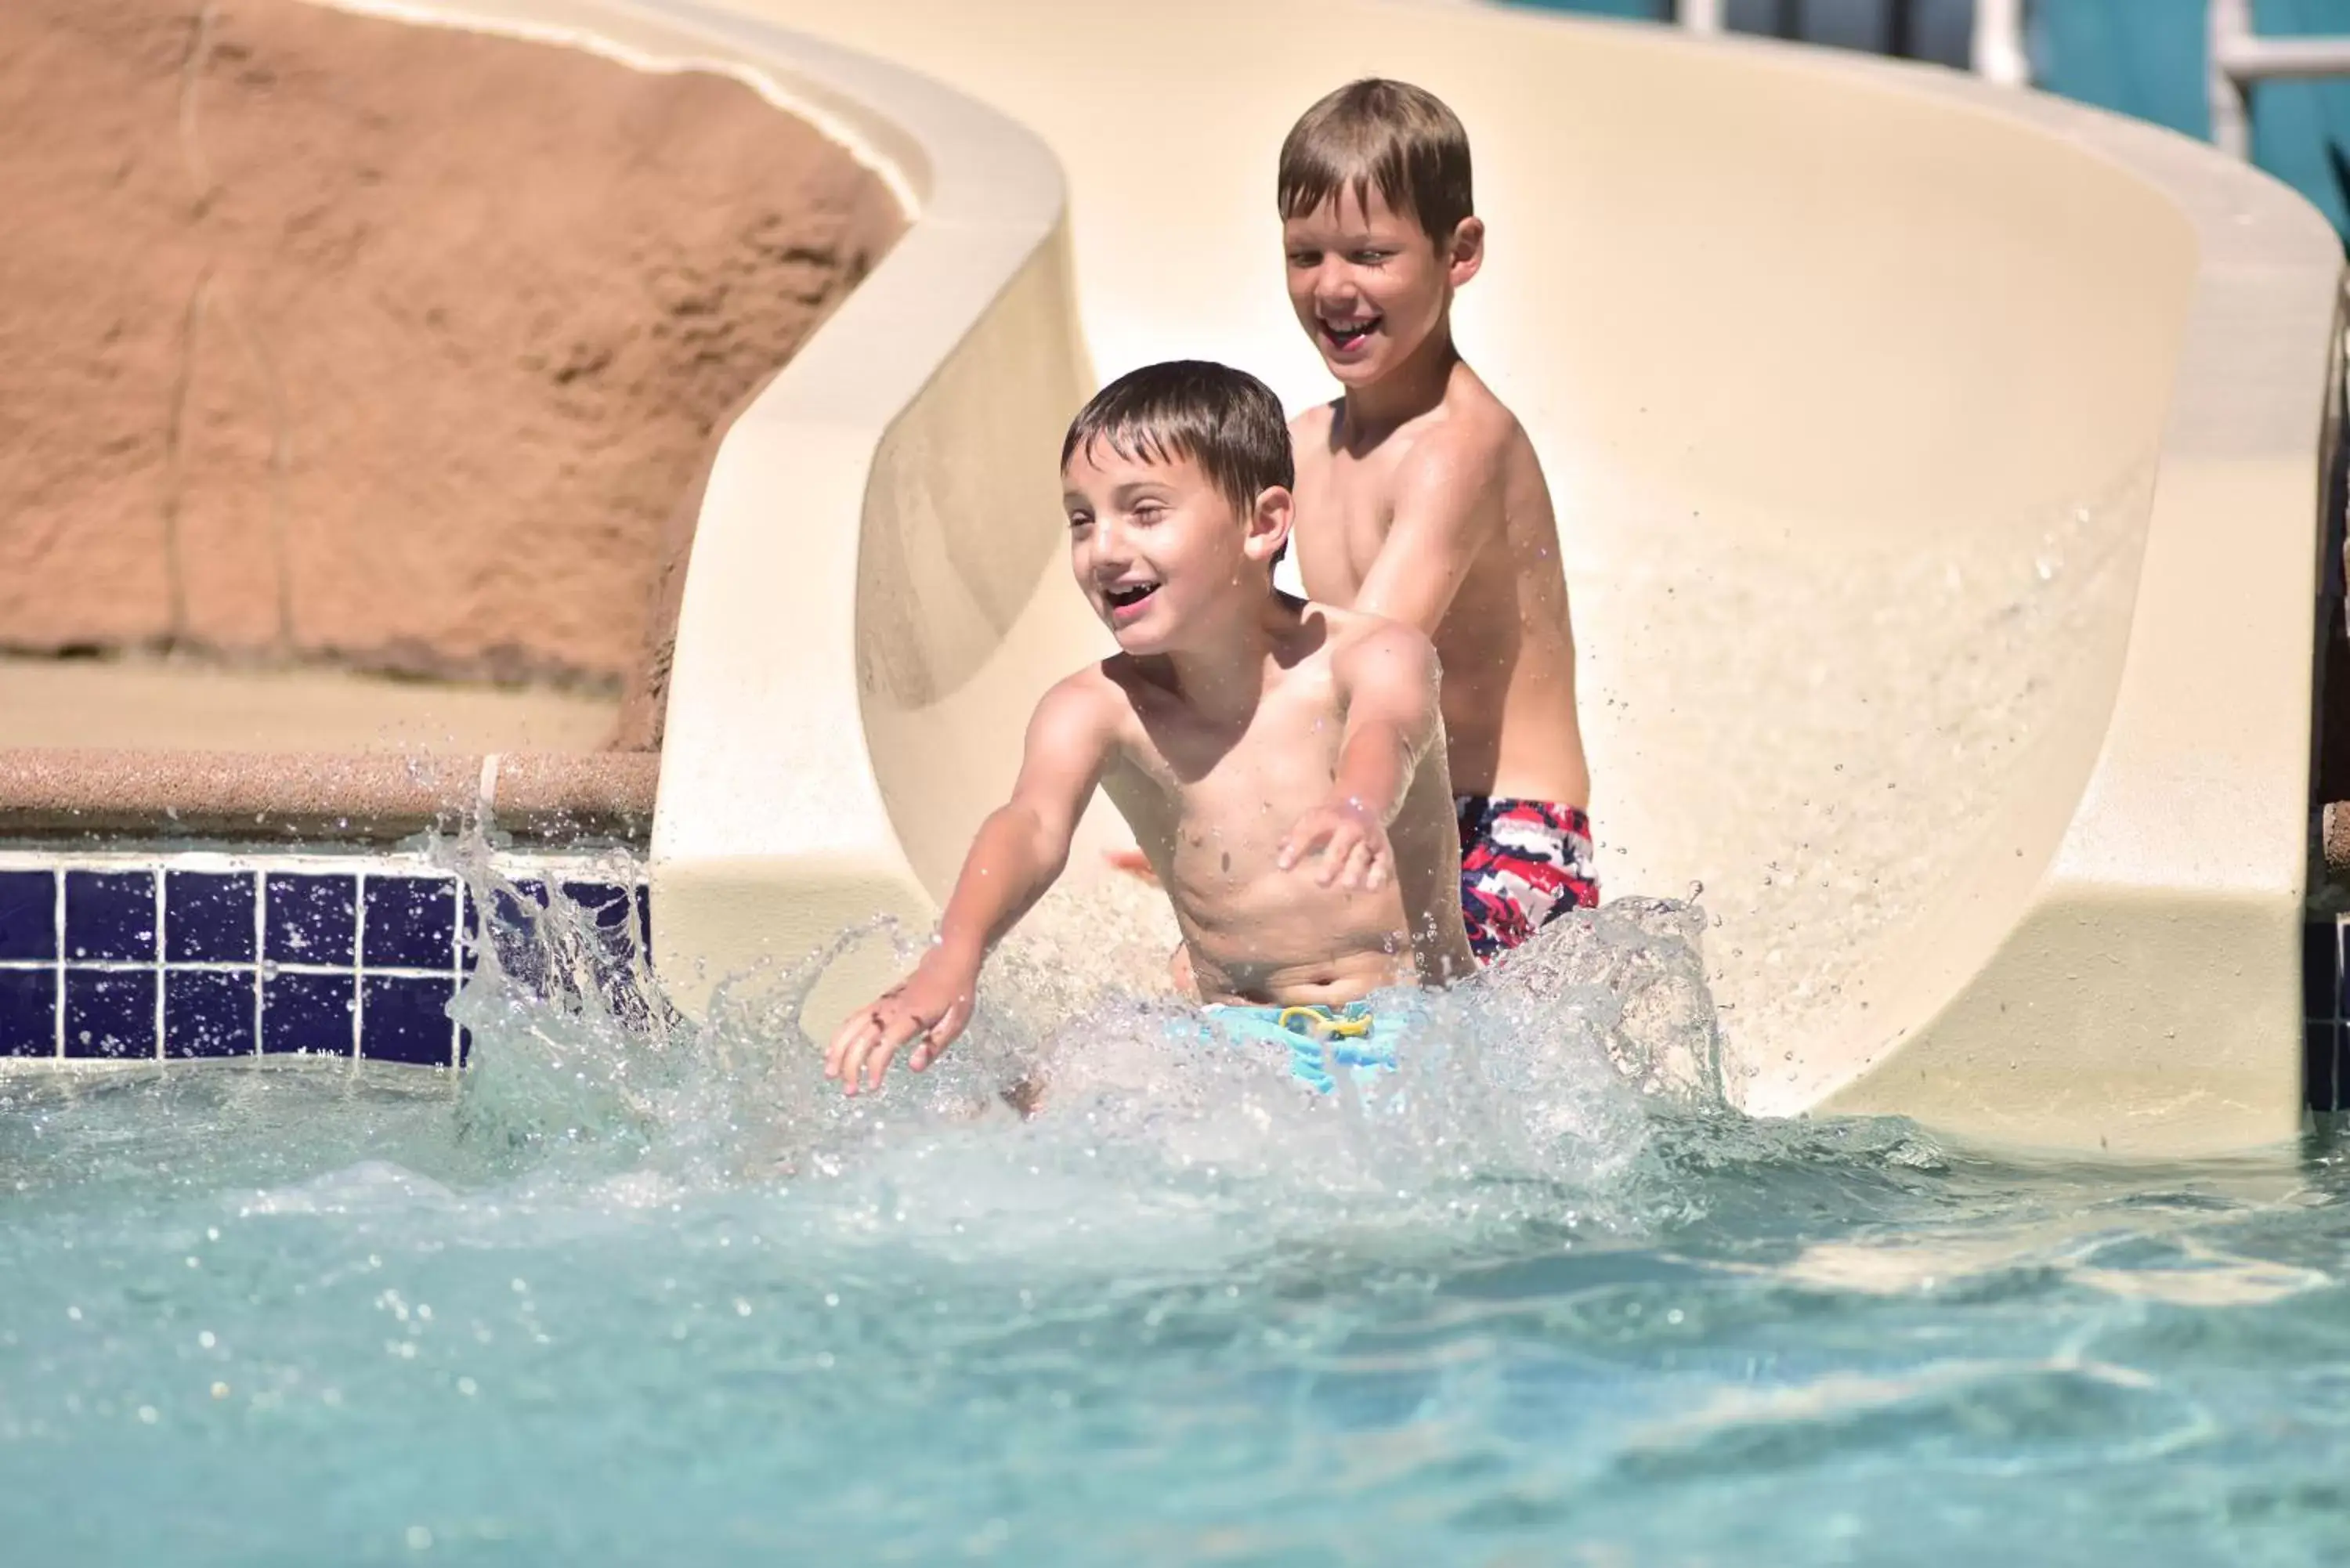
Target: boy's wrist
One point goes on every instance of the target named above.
(956, 951)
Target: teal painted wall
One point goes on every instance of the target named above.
(2143, 57)
(2301, 130)
(2146, 57)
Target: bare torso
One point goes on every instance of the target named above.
(1507, 647)
(1211, 803)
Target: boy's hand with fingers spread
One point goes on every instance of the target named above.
(932, 1005)
(1351, 841)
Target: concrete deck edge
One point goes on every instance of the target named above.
(322, 795)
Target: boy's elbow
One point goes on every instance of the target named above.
(1044, 839)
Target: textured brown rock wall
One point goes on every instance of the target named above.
(322, 335)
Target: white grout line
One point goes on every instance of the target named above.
(457, 967)
(260, 953)
(358, 957)
(57, 875)
(510, 865)
(231, 966)
(161, 936)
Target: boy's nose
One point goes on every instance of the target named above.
(1112, 550)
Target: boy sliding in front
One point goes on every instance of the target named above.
(1419, 496)
(1281, 764)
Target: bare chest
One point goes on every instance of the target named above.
(1221, 801)
(1342, 521)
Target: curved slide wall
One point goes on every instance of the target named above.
(1940, 471)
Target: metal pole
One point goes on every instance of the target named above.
(1699, 15)
(1901, 30)
(1789, 22)
(1997, 51)
(2230, 28)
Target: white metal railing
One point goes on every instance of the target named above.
(2240, 59)
(1996, 50)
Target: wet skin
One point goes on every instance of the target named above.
(1420, 498)
(1280, 763)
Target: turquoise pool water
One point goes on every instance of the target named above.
(631, 1294)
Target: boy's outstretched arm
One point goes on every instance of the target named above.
(1442, 516)
(1019, 849)
(1391, 681)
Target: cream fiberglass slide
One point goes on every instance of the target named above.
(1938, 467)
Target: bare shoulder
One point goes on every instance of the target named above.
(1466, 453)
(1309, 432)
(1088, 707)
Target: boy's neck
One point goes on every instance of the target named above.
(1413, 388)
(1223, 676)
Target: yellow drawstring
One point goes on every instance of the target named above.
(1321, 1024)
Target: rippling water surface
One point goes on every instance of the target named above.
(634, 1293)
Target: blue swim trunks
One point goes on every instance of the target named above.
(1353, 1034)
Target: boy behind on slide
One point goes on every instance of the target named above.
(1419, 496)
(1281, 762)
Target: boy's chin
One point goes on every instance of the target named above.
(1354, 371)
(1149, 640)
(1140, 643)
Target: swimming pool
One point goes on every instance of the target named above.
(634, 1292)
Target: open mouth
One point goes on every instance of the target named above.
(1126, 601)
(1350, 333)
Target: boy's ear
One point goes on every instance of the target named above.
(1466, 252)
(1268, 526)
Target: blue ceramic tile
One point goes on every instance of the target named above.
(412, 923)
(111, 915)
(29, 1020)
(610, 909)
(605, 903)
(518, 934)
(2321, 1086)
(403, 1018)
(111, 1013)
(29, 915)
(306, 1012)
(465, 1047)
(312, 919)
(2321, 970)
(208, 917)
(208, 1012)
(2338, 1069)
(2334, 939)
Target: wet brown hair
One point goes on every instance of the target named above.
(1226, 420)
(1387, 135)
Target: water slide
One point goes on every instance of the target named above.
(1939, 465)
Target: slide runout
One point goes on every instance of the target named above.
(1938, 467)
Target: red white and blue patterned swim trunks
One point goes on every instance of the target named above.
(1524, 863)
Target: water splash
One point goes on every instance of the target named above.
(1529, 1094)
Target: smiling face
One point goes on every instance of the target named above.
(1162, 554)
(1368, 285)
